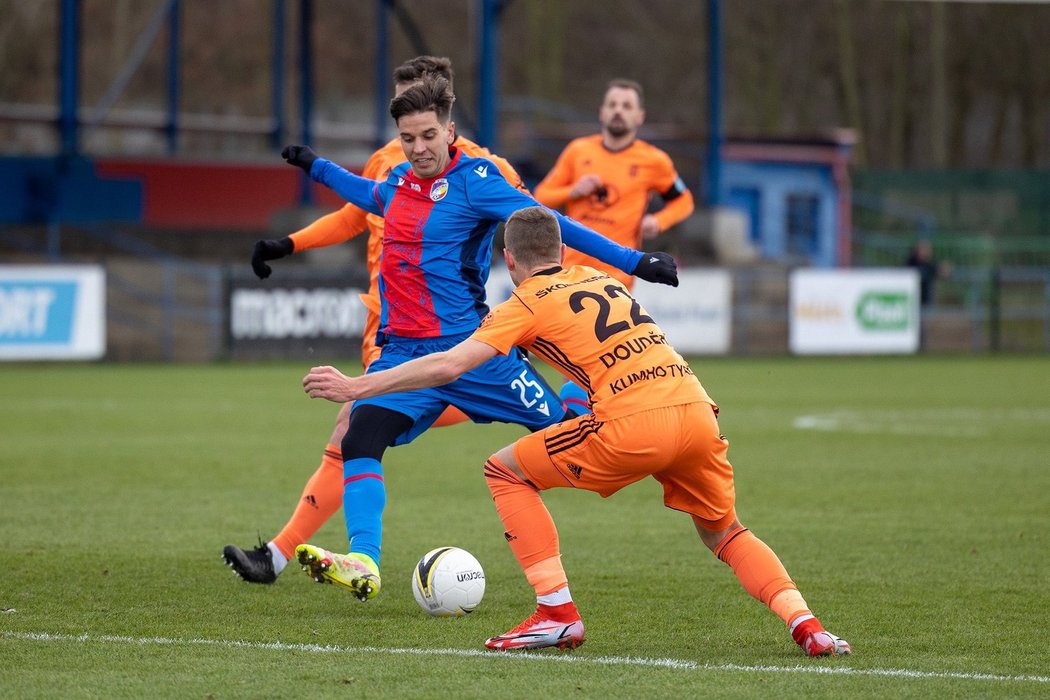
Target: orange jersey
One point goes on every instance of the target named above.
(349, 221)
(629, 178)
(589, 327)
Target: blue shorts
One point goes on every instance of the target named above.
(506, 389)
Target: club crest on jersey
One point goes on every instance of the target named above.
(439, 189)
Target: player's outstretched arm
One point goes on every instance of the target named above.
(269, 250)
(423, 372)
(657, 267)
(353, 188)
(494, 197)
(576, 235)
(331, 229)
(651, 267)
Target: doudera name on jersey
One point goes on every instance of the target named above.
(632, 346)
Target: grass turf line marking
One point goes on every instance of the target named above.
(676, 664)
(969, 423)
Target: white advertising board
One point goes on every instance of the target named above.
(854, 311)
(695, 315)
(52, 312)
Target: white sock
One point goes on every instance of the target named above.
(800, 619)
(558, 597)
(279, 560)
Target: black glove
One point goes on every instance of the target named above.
(657, 267)
(299, 156)
(270, 250)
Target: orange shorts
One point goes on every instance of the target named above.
(679, 446)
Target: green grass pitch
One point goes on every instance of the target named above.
(908, 497)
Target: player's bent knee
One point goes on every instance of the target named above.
(372, 429)
(503, 466)
(714, 533)
(507, 457)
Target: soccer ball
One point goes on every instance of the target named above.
(448, 582)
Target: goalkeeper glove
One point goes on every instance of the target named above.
(270, 250)
(299, 156)
(657, 267)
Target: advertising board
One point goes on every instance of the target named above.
(854, 311)
(52, 312)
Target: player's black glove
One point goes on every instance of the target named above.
(657, 267)
(299, 156)
(270, 250)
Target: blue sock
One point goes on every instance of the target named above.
(364, 497)
(575, 398)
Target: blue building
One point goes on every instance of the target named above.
(795, 195)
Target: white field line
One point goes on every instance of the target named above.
(676, 664)
(947, 422)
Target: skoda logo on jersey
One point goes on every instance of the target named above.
(439, 189)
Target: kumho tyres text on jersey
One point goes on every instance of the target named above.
(632, 346)
(674, 369)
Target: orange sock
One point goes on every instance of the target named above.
(322, 497)
(528, 526)
(450, 416)
(761, 573)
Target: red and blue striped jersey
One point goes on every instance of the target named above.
(437, 241)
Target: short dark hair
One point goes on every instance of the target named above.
(629, 85)
(433, 94)
(533, 236)
(414, 69)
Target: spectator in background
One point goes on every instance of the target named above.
(605, 181)
(921, 258)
